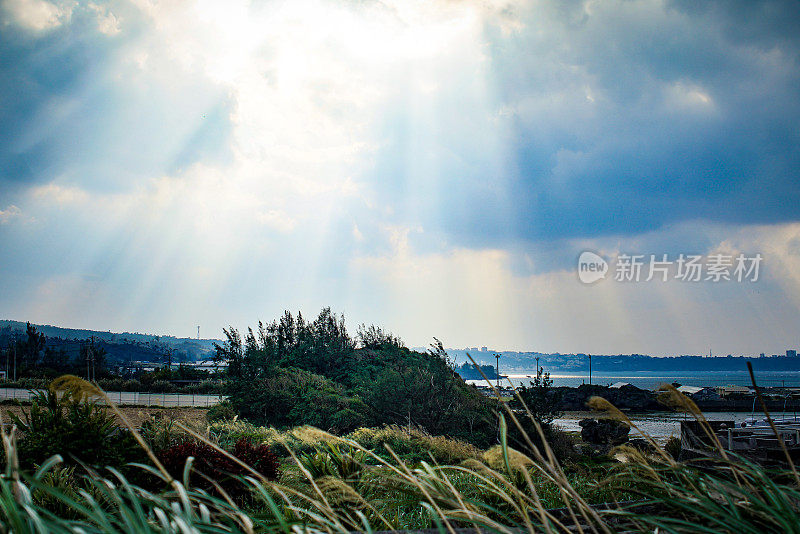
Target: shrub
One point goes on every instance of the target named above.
(259, 457)
(540, 398)
(160, 433)
(288, 397)
(227, 433)
(162, 386)
(414, 444)
(76, 429)
(223, 411)
(335, 460)
(217, 467)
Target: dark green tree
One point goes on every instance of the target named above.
(540, 398)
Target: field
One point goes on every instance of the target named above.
(194, 417)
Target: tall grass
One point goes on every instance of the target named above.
(358, 489)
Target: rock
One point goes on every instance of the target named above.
(642, 445)
(604, 431)
(625, 398)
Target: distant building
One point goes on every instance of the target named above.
(724, 391)
(484, 349)
(791, 353)
(209, 365)
(699, 393)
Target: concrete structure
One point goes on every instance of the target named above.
(724, 391)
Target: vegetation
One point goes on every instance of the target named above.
(33, 360)
(539, 398)
(340, 485)
(328, 433)
(217, 470)
(468, 371)
(79, 430)
(292, 372)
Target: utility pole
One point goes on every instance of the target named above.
(590, 369)
(198, 331)
(537, 366)
(497, 368)
(93, 377)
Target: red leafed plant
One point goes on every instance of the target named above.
(218, 467)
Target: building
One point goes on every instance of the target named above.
(791, 353)
(699, 393)
(724, 391)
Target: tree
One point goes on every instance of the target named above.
(373, 337)
(31, 348)
(540, 398)
(292, 372)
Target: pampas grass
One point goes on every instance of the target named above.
(502, 490)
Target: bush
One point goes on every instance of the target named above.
(227, 433)
(217, 467)
(223, 411)
(289, 397)
(78, 430)
(160, 433)
(414, 444)
(162, 386)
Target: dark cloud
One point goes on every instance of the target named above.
(76, 107)
(620, 119)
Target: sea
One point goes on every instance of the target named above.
(662, 425)
(651, 380)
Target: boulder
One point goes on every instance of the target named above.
(625, 398)
(604, 431)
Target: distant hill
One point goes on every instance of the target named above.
(119, 347)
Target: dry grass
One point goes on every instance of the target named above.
(503, 491)
(401, 440)
(194, 417)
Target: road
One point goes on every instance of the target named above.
(129, 398)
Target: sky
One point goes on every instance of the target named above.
(434, 167)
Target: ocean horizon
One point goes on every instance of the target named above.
(651, 380)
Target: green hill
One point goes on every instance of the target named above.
(119, 347)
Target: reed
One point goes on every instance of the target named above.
(504, 491)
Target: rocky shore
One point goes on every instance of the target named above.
(633, 399)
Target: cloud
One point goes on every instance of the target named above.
(59, 195)
(38, 15)
(478, 297)
(607, 119)
(8, 214)
(83, 107)
(107, 22)
(434, 166)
